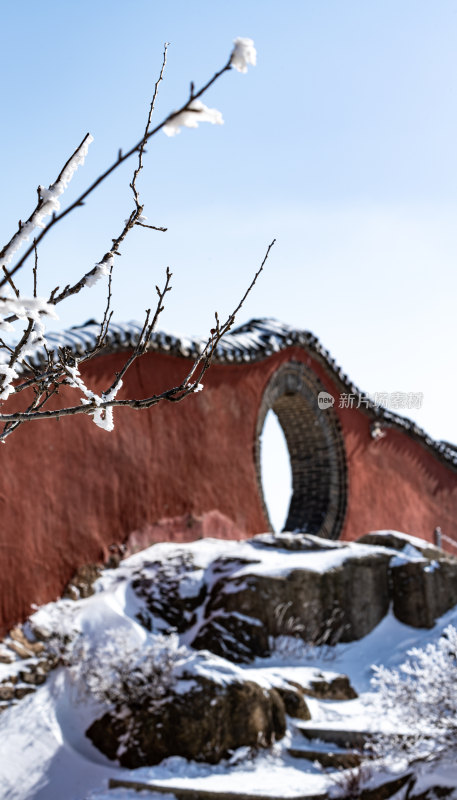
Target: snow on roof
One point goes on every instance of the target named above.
(254, 341)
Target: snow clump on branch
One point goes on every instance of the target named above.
(104, 267)
(50, 196)
(49, 202)
(244, 53)
(8, 375)
(195, 112)
(25, 308)
(103, 417)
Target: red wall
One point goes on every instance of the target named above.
(68, 489)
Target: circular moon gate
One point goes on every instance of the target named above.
(316, 451)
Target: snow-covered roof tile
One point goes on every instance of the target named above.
(253, 341)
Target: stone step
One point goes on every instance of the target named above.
(330, 759)
(201, 794)
(339, 737)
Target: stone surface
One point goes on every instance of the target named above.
(434, 793)
(21, 650)
(341, 604)
(331, 759)
(18, 635)
(39, 631)
(6, 691)
(339, 737)
(21, 691)
(204, 724)
(297, 541)
(47, 664)
(337, 688)
(82, 583)
(233, 636)
(6, 655)
(397, 541)
(422, 591)
(159, 584)
(181, 793)
(294, 703)
(35, 676)
(384, 791)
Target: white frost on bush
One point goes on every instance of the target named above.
(196, 112)
(421, 697)
(121, 673)
(50, 204)
(244, 53)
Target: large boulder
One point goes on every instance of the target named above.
(395, 540)
(205, 723)
(294, 702)
(172, 589)
(316, 590)
(339, 604)
(234, 636)
(424, 590)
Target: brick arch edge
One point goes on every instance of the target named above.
(316, 450)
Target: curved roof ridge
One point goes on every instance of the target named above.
(252, 341)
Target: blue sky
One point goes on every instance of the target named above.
(341, 143)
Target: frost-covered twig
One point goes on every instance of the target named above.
(105, 266)
(48, 203)
(31, 309)
(139, 220)
(189, 105)
(62, 367)
(192, 383)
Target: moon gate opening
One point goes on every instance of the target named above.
(316, 451)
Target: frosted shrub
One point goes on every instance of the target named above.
(421, 699)
(122, 674)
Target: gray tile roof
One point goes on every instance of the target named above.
(251, 342)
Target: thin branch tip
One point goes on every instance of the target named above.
(62, 366)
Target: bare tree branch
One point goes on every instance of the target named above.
(174, 394)
(146, 132)
(62, 366)
(120, 160)
(35, 269)
(16, 236)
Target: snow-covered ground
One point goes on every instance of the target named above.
(45, 755)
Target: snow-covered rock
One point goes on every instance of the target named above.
(205, 723)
